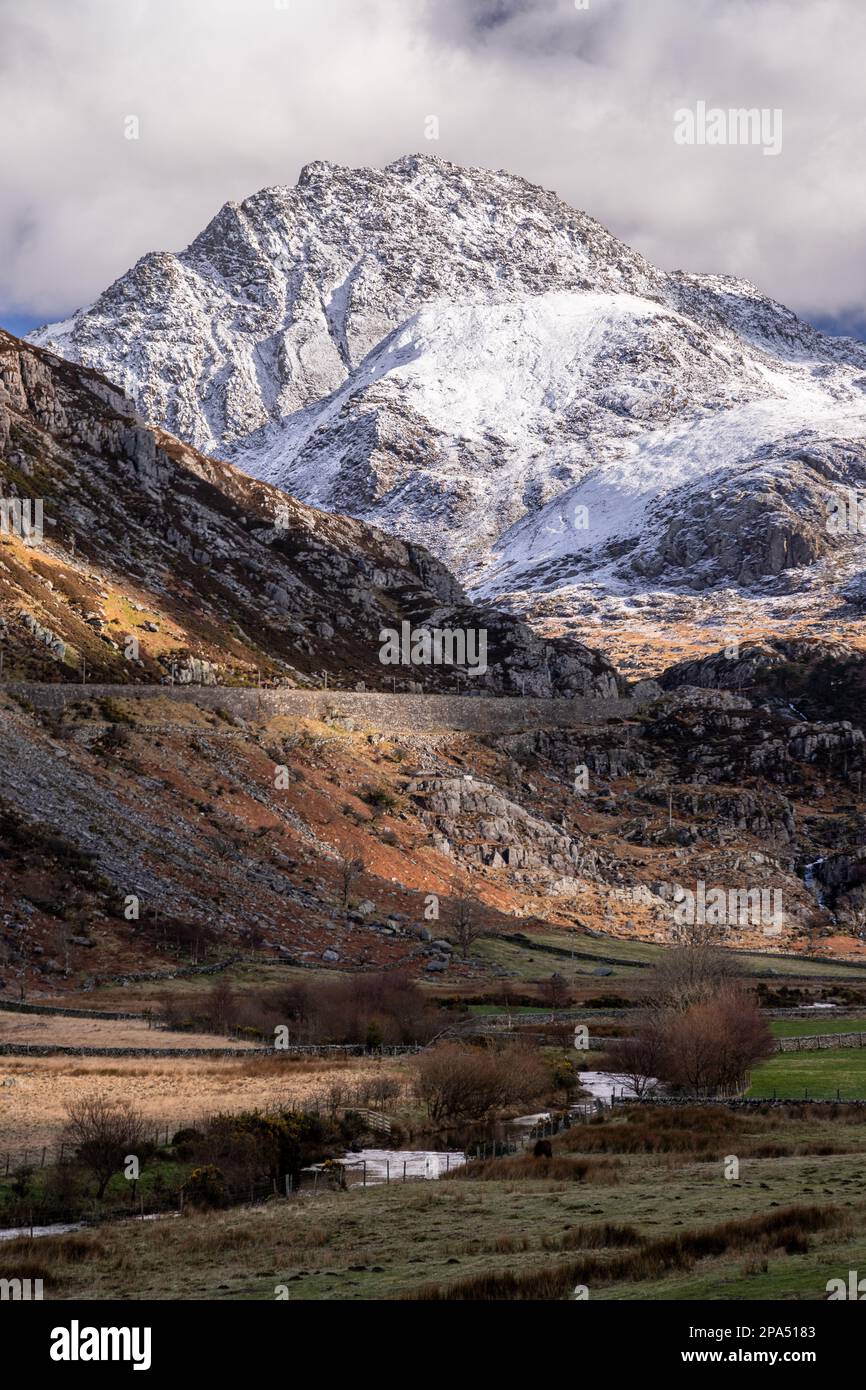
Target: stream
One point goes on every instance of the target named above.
(385, 1165)
(602, 1085)
(810, 881)
(16, 1232)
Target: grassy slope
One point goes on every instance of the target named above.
(623, 959)
(383, 1242)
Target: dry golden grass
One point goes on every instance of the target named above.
(172, 1092)
(57, 1031)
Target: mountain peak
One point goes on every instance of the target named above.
(462, 357)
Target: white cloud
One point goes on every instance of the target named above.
(233, 95)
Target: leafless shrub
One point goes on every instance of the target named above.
(465, 925)
(103, 1133)
(348, 870)
(691, 974)
(458, 1083)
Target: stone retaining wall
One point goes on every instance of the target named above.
(401, 713)
(182, 972)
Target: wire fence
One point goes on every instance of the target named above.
(47, 1155)
(36, 1220)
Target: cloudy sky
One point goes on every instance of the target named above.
(232, 95)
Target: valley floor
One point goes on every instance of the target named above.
(656, 1224)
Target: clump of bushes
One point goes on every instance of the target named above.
(519, 1167)
(258, 1149)
(376, 1009)
(205, 1187)
(379, 799)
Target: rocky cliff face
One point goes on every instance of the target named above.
(473, 821)
(816, 680)
(158, 563)
(460, 357)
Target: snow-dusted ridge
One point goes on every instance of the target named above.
(461, 358)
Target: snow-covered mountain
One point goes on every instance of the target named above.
(461, 358)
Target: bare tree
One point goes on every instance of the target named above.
(458, 1083)
(103, 1132)
(465, 925)
(555, 991)
(698, 933)
(348, 870)
(688, 975)
(222, 1006)
(640, 1058)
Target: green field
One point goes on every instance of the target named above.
(812, 1075)
(821, 1023)
(244, 975)
(531, 962)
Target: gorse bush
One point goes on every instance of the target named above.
(379, 799)
(261, 1147)
(205, 1187)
